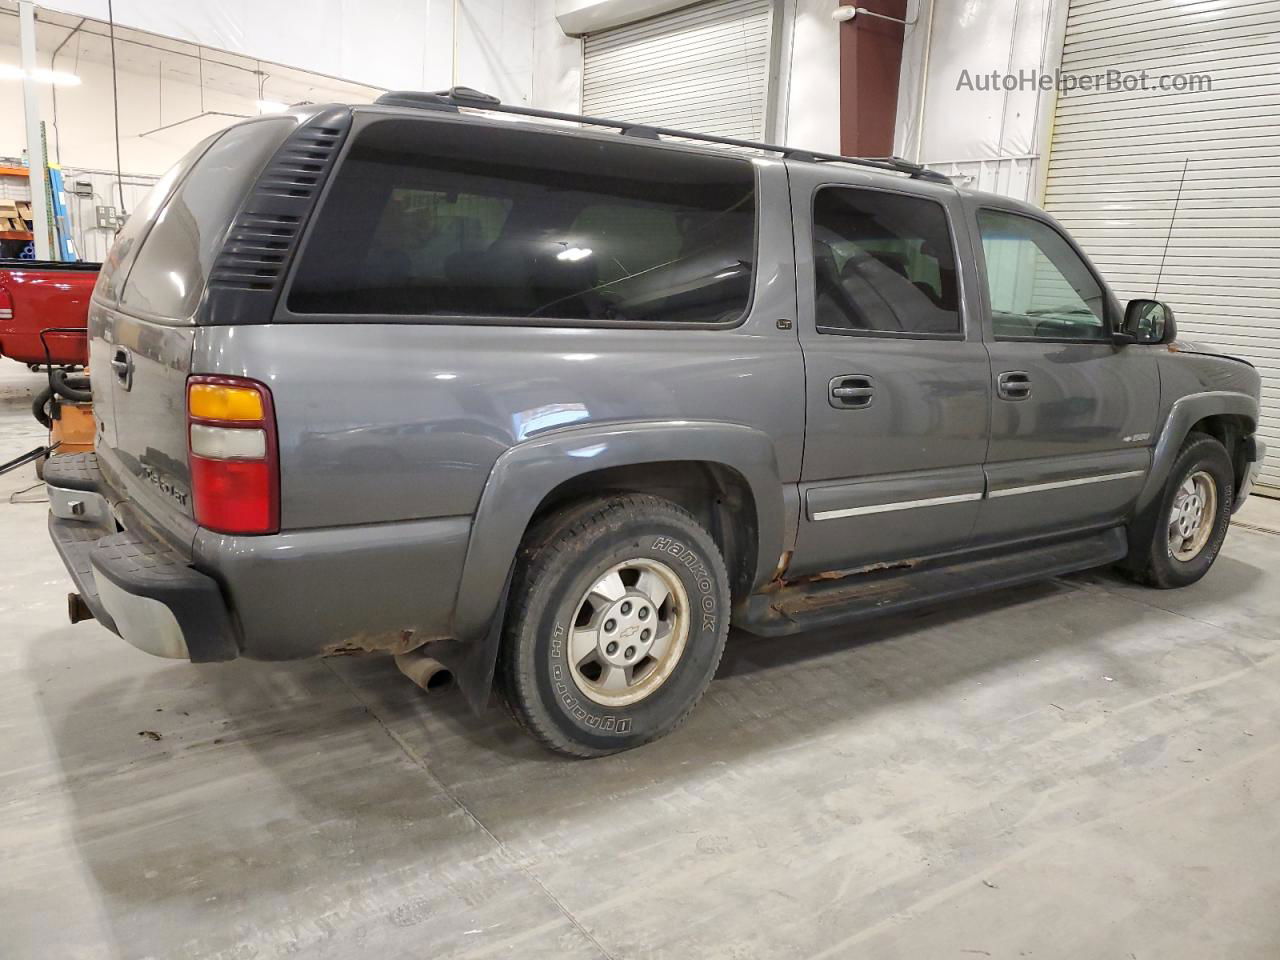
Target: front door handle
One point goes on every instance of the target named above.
(851, 392)
(1014, 385)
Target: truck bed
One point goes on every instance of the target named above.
(38, 294)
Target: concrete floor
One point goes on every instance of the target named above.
(1077, 769)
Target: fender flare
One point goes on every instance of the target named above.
(1186, 413)
(526, 473)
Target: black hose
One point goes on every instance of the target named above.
(73, 387)
(39, 406)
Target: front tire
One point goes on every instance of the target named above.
(1191, 517)
(618, 618)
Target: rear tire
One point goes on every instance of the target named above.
(618, 618)
(1191, 517)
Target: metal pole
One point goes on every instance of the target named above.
(37, 172)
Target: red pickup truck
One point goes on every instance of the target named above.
(38, 294)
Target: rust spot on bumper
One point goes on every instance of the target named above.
(393, 642)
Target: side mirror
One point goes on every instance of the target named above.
(1147, 321)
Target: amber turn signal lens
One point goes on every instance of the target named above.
(212, 401)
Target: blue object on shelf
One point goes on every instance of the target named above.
(61, 216)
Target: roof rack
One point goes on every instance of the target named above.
(456, 97)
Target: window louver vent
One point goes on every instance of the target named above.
(264, 232)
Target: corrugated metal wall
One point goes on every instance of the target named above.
(704, 68)
(1122, 161)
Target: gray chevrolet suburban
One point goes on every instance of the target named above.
(552, 404)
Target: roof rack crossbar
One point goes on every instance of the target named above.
(475, 100)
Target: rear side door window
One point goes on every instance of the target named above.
(1040, 288)
(884, 265)
(429, 220)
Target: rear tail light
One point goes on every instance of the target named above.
(235, 477)
(6, 305)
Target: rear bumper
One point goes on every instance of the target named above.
(387, 587)
(132, 581)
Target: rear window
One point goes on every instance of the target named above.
(429, 219)
(115, 268)
(168, 276)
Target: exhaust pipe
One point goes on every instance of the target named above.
(427, 672)
(77, 609)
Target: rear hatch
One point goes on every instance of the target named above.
(142, 321)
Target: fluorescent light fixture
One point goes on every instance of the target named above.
(272, 106)
(574, 254)
(845, 14)
(56, 77)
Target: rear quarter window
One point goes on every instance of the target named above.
(169, 273)
(456, 219)
(115, 268)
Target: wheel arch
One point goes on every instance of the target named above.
(717, 495)
(725, 474)
(1229, 429)
(1221, 414)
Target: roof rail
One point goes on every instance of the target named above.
(456, 97)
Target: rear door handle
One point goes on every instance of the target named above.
(851, 392)
(1014, 385)
(122, 366)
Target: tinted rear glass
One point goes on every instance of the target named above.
(883, 264)
(169, 274)
(455, 219)
(115, 268)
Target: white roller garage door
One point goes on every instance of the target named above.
(1198, 170)
(703, 68)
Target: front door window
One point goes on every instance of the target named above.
(1040, 288)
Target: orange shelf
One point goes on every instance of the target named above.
(15, 235)
(13, 171)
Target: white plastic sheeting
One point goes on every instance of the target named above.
(809, 85)
(515, 49)
(557, 63)
(580, 17)
(993, 138)
(396, 44)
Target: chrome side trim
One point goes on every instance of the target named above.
(1063, 484)
(969, 497)
(890, 507)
